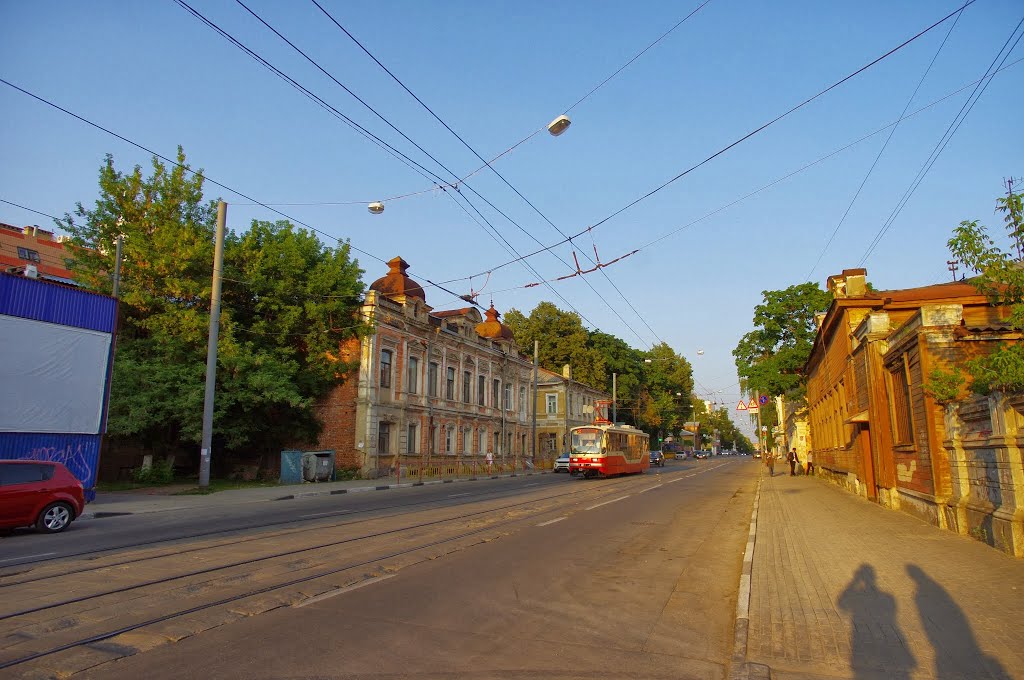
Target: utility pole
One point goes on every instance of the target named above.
(117, 264)
(615, 377)
(211, 347)
(951, 265)
(533, 444)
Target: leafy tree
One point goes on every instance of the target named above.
(1001, 277)
(770, 357)
(628, 365)
(287, 302)
(563, 340)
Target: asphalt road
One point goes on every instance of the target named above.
(628, 578)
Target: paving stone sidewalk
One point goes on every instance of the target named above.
(844, 588)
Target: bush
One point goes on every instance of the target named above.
(944, 386)
(160, 472)
(345, 473)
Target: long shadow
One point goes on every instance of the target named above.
(957, 655)
(877, 647)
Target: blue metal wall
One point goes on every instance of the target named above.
(45, 301)
(80, 453)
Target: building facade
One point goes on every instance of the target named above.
(876, 428)
(34, 252)
(431, 388)
(562, 404)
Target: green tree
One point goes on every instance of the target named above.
(287, 302)
(1000, 276)
(563, 340)
(627, 364)
(770, 357)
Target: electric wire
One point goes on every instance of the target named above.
(951, 130)
(498, 174)
(421, 149)
(881, 151)
(738, 141)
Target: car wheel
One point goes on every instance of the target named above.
(55, 517)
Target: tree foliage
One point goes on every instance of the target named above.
(770, 357)
(287, 302)
(1000, 275)
(563, 340)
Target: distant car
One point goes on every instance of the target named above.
(39, 493)
(657, 459)
(561, 463)
(757, 454)
(701, 455)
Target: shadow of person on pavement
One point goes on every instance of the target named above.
(877, 647)
(957, 655)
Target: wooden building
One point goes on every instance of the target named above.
(875, 429)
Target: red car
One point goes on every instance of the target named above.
(40, 493)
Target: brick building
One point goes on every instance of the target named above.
(431, 387)
(874, 427)
(24, 250)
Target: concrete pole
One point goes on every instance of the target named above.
(117, 265)
(211, 347)
(533, 445)
(615, 377)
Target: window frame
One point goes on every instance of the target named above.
(385, 368)
(412, 377)
(449, 385)
(383, 438)
(433, 368)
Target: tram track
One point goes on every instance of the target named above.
(93, 613)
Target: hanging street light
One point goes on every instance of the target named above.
(377, 207)
(559, 125)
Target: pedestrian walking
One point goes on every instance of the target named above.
(769, 460)
(810, 463)
(793, 460)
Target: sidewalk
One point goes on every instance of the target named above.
(156, 499)
(843, 588)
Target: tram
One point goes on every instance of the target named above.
(605, 449)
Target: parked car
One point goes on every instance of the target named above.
(39, 493)
(657, 459)
(561, 463)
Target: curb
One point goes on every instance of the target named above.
(741, 670)
(102, 514)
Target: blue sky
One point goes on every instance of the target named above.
(496, 72)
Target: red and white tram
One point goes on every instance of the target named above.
(605, 448)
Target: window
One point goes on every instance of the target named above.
(497, 441)
(412, 444)
(902, 414)
(413, 378)
(384, 438)
(25, 473)
(449, 389)
(552, 400)
(467, 384)
(433, 439)
(27, 254)
(483, 440)
(467, 441)
(432, 379)
(508, 396)
(495, 390)
(522, 401)
(481, 391)
(448, 432)
(385, 368)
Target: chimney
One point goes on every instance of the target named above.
(567, 372)
(852, 283)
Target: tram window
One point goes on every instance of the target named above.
(586, 441)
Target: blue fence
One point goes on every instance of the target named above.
(80, 453)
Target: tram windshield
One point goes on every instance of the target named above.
(586, 440)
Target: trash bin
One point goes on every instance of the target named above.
(318, 466)
(291, 467)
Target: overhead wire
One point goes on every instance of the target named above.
(881, 151)
(737, 141)
(495, 171)
(415, 144)
(789, 175)
(940, 146)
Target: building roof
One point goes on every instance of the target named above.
(492, 328)
(397, 284)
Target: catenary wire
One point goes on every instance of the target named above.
(736, 142)
(943, 141)
(881, 151)
(498, 174)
